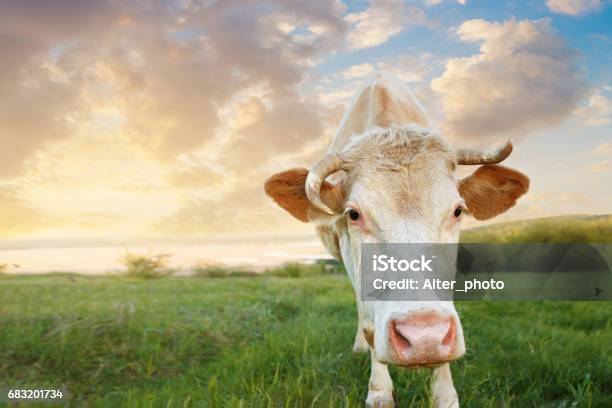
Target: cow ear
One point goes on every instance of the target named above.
(287, 190)
(491, 190)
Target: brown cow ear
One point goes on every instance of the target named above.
(287, 189)
(491, 190)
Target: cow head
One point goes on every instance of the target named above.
(399, 185)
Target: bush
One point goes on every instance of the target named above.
(297, 270)
(212, 270)
(289, 270)
(331, 267)
(4, 267)
(147, 266)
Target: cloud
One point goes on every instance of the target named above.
(134, 110)
(408, 67)
(436, 2)
(338, 94)
(573, 7)
(284, 128)
(597, 112)
(524, 78)
(194, 176)
(37, 98)
(604, 149)
(357, 71)
(382, 20)
(165, 75)
(17, 216)
(601, 167)
(131, 118)
(243, 210)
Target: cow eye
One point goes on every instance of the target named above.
(353, 214)
(458, 211)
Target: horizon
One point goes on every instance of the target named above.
(104, 257)
(92, 241)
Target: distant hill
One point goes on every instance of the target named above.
(570, 228)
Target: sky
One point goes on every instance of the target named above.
(163, 118)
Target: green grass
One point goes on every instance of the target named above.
(283, 339)
(273, 341)
(571, 228)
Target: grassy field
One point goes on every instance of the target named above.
(282, 339)
(570, 228)
(182, 342)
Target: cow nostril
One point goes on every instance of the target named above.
(401, 342)
(449, 338)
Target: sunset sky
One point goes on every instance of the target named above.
(163, 118)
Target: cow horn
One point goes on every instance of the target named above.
(494, 156)
(327, 165)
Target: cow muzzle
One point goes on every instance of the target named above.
(425, 338)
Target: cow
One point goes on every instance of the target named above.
(390, 177)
